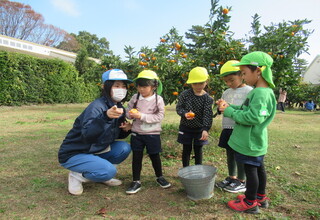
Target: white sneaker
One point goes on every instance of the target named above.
(113, 182)
(75, 183)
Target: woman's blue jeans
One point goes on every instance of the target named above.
(99, 167)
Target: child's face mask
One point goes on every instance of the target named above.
(118, 94)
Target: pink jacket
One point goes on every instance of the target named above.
(150, 122)
(282, 95)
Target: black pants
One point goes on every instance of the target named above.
(256, 181)
(186, 153)
(137, 157)
(281, 106)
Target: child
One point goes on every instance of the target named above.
(236, 95)
(195, 109)
(90, 150)
(146, 108)
(249, 138)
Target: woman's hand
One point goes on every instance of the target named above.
(114, 112)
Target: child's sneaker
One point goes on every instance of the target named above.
(263, 203)
(135, 186)
(242, 206)
(235, 186)
(224, 183)
(163, 182)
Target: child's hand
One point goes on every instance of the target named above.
(114, 112)
(204, 136)
(189, 115)
(126, 126)
(223, 105)
(219, 102)
(134, 113)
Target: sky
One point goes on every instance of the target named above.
(140, 23)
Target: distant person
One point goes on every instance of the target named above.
(282, 99)
(309, 105)
(249, 138)
(235, 94)
(195, 109)
(146, 108)
(90, 150)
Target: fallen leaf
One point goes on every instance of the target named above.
(102, 211)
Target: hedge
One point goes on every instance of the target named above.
(25, 79)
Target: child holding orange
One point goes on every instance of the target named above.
(195, 109)
(146, 108)
(235, 94)
(249, 138)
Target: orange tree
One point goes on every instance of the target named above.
(212, 45)
(284, 42)
(168, 59)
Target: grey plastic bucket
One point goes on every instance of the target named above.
(198, 181)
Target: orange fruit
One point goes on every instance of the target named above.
(175, 93)
(162, 40)
(184, 56)
(153, 58)
(225, 11)
(142, 55)
(212, 64)
(178, 46)
(134, 110)
(292, 33)
(141, 63)
(191, 114)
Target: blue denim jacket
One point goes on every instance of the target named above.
(93, 131)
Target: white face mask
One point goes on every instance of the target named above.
(118, 94)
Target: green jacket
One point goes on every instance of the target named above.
(250, 135)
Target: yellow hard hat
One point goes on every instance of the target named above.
(149, 74)
(227, 68)
(198, 75)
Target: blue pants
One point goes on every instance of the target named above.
(99, 167)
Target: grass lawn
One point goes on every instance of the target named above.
(34, 186)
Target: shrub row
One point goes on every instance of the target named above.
(26, 79)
